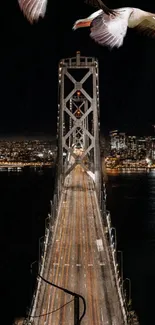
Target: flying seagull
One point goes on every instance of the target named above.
(109, 28)
(33, 9)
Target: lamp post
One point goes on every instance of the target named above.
(115, 236)
(77, 318)
(31, 266)
(51, 203)
(40, 248)
(129, 289)
(77, 297)
(121, 253)
(47, 221)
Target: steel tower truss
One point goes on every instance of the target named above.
(78, 116)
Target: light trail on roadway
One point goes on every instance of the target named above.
(79, 261)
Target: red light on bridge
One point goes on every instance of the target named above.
(78, 93)
(78, 113)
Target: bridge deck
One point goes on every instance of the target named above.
(79, 261)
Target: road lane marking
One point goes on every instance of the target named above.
(78, 264)
(90, 264)
(101, 315)
(99, 243)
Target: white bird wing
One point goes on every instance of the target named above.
(147, 25)
(33, 9)
(109, 30)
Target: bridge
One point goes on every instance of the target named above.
(78, 280)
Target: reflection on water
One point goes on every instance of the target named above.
(22, 169)
(131, 200)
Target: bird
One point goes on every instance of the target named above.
(33, 9)
(110, 28)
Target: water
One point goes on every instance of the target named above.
(24, 205)
(131, 200)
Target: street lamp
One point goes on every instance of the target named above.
(31, 266)
(47, 221)
(121, 253)
(115, 236)
(129, 290)
(51, 203)
(77, 297)
(77, 319)
(40, 247)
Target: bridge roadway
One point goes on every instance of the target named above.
(77, 263)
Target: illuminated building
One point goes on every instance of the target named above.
(27, 151)
(132, 147)
(117, 143)
(152, 154)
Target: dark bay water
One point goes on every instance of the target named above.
(131, 200)
(24, 205)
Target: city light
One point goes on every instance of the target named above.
(129, 151)
(27, 153)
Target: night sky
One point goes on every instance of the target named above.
(29, 61)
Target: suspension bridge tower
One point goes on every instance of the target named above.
(78, 118)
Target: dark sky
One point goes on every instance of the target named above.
(28, 69)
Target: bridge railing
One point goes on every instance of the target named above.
(45, 252)
(106, 219)
(116, 271)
